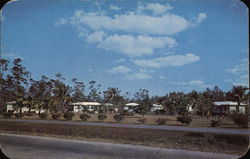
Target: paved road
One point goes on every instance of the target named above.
(29, 147)
(160, 127)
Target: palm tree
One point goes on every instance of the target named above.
(238, 93)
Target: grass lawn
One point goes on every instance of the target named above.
(209, 142)
(171, 120)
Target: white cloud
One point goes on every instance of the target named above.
(139, 76)
(61, 21)
(167, 24)
(135, 46)
(120, 60)
(239, 68)
(90, 70)
(119, 69)
(162, 77)
(156, 8)
(114, 7)
(95, 37)
(174, 60)
(198, 83)
(240, 74)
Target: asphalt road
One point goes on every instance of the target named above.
(161, 127)
(28, 147)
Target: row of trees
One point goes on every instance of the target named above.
(18, 85)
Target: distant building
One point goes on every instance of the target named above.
(131, 107)
(157, 107)
(78, 107)
(228, 107)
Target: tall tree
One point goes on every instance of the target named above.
(238, 94)
(77, 91)
(95, 93)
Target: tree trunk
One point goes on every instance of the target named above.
(238, 107)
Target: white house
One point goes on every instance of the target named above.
(90, 106)
(156, 107)
(228, 107)
(12, 106)
(131, 107)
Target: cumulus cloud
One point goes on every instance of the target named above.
(174, 60)
(139, 76)
(167, 24)
(114, 7)
(131, 33)
(156, 8)
(239, 68)
(240, 74)
(95, 37)
(200, 18)
(135, 46)
(119, 69)
(198, 83)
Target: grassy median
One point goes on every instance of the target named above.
(210, 142)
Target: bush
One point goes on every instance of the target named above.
(118, 117)
(184, 119)
(85, 116)
(68, 115)
(7, 114)
(241, 120)
(102, 116)
(19, 115)
(126, 113)
(161, 121)
(215, 123)
(142, 120)
(30, 114)
(56, 116)
(43, 115)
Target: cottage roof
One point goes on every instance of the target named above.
(132, 104)
(219, 103)
(86, 103)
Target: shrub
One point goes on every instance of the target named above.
(7, 114)
(215, 123)
(68, 115)
(184, 119)
(241, 120)
(19, 115)
(142, 120)
(118, 117)
(102, 116)
(85, 116)
(126, 113)
(30, 114)
(42, 115)
(161, 121)
(56, 116)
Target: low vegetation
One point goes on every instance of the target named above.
(68, 115)
(142, 120)
(102, 116)
(184, 119)
(161, 121)
(56, 116)
(19, 115)
(84, 116)
(43, 115)
(215, 123)
(118, 117)
(222, 143)
(240, 119)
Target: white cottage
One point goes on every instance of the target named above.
(78, 107)
(228, 107)
(131, 107)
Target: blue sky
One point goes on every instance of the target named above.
(160, 45)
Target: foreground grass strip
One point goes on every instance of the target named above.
(221, 143)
